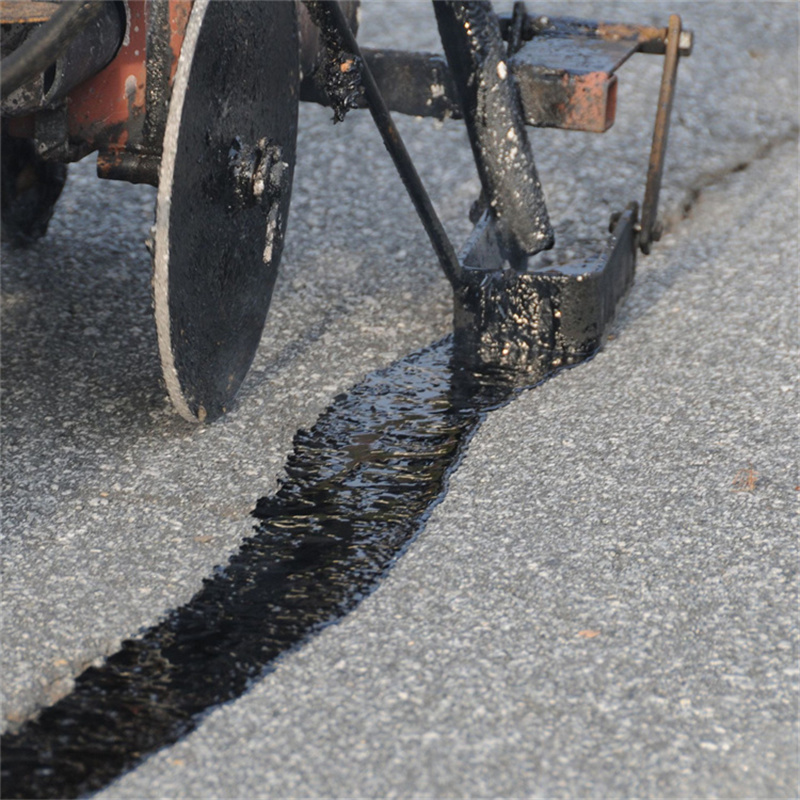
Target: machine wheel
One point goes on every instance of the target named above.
(223, 198)
(30, 188)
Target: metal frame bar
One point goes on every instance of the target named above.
(332, 20)
(489, 100)
(651, 230)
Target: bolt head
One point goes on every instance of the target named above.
(256, 172)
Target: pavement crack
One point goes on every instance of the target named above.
(709, 179)
(359, 486)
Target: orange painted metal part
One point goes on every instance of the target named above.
(566, 69)
(592, 104)
(179, 11)
(108, 110)
(104, 110)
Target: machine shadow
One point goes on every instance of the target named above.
(78, 338)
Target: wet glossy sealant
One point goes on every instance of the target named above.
(359, 486)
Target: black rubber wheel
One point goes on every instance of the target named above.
(30, 188)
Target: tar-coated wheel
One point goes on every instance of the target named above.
(30, 188)
(223, 197)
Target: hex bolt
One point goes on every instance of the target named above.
(256, 171)
(269, 172)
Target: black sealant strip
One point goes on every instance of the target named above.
(360, 485)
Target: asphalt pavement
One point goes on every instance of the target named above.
(604, 604)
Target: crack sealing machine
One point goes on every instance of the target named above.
(200, 98)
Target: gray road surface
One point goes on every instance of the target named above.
(594, 609)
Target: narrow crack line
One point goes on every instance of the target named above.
(709, 179)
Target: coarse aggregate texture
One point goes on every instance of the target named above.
(603, 605)
(603, 501)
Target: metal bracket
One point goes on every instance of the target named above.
(650, 228)
(511, 325)
(566, 68)
(490, 102)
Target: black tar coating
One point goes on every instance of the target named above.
(339, 71)
(30, 188)
(492, 108)
(360, 485)
(509, 326)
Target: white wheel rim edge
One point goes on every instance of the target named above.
(163, 206)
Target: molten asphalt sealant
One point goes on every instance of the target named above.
(359, 487)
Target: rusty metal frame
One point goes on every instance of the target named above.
(120, 111)
(565, 69)
(650, 227)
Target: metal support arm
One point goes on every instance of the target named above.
(490, 101)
